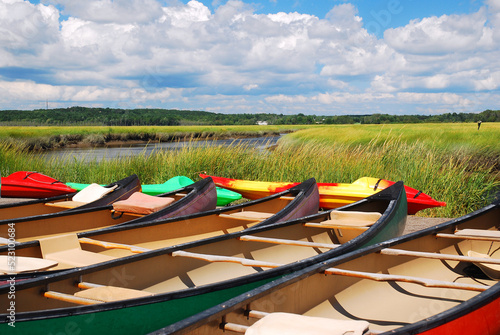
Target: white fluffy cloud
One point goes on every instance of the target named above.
(145, 53)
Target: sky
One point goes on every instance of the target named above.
(324, 57)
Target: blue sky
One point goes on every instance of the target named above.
(328, 57)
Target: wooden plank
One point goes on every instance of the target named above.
(70, 298)
(431, 255)
(471, 238)
(85, 285)
(288, 242)
(247, 216)
(407, 279)
(112, 245)
(234, 327)
(230, 259)
(328, 225)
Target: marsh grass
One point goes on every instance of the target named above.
(464, 185)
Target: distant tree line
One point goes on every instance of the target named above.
(172, 117)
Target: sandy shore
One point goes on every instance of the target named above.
(413, 223)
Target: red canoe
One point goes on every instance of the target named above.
(332, 195)
(26, 184)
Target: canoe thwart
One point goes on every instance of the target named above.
(288, 242)
(112, 245)
(65, 204)
(69, 298)
(473, 234)
(247, 215)
(217, 258)
(408, 279)
(111, 293)
(483, 258)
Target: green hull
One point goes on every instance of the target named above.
(224, 196)
(141, 319)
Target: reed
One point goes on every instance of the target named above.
(464, 185)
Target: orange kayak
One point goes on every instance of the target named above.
(332, 195)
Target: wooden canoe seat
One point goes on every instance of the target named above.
(24, 264)
(140, 203)
(92, 193)
(352, 219)
(111, 293)
(295, 324)
(491, 270)
(247, 215)
(65, 204)
(66, 250)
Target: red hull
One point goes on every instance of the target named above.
(25, 184)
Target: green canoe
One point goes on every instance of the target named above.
(224, 196)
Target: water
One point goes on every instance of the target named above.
(107, 153)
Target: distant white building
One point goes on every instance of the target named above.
(262, 123)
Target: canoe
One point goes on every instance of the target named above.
(429, 282)
(153, 289)
(26, 184)
(194, 198)
(115, 191)
(104, 244)
(224, 196)
(332, 195)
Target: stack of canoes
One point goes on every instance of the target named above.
(154, 287)
(441, 280)
(332, 195)
(224, 196)
(62, 251)
(132, 207)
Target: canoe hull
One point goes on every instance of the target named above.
(25, 184)
(439, 293)
(332, 195)
(142, 315)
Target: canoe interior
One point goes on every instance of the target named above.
(387, 306)
(31, 207)
(42, 226)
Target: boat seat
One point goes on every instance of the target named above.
(111, 293)
(247, 215)
(92, 193)
(295, 324)
(24, 264)
(67, 251)
(352, 219)
(140, 203)
(65, 204)
(491, 270)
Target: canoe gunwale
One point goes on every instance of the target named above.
(202, 289)
(478, 301)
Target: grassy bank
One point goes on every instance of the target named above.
(463, 184)
(46, 138)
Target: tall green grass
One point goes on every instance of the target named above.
(464, 185)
